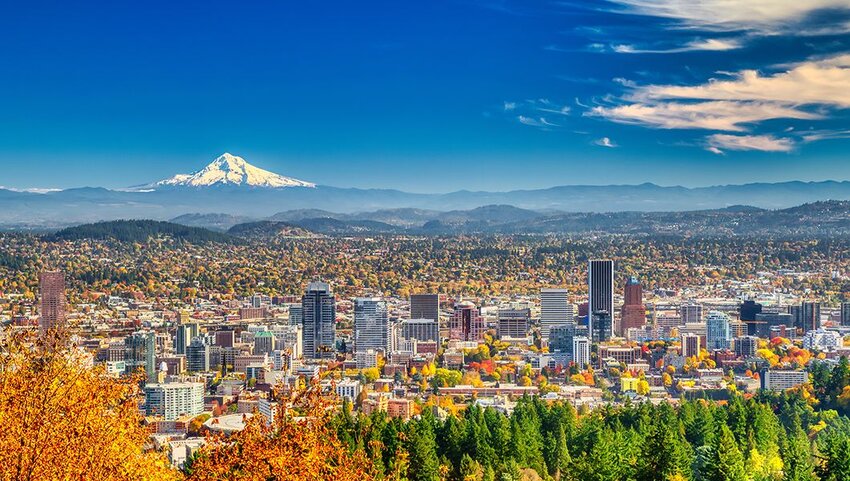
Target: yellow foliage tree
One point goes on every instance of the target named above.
(63, 420)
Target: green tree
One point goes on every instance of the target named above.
(728, 462)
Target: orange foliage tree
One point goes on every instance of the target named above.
(300, 444)
(62, 420)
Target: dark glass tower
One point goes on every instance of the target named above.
(319, 318)
(600, 292)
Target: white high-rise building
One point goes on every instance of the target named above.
(717, 334)
(371, 325)
(555, 310)
(174, 399)
(581, 351)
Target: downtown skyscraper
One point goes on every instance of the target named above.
(52, 296)
(319, 319)
(555, 310)
(600, 293)
(371, 325)
(634, 312)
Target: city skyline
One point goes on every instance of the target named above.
(650, 91)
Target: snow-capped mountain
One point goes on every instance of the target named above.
(230, 169)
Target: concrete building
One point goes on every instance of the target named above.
(581, 351)
(690, 345)
(264, 343)
(779, 380)
(424, 330)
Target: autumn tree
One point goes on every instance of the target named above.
(64, 420)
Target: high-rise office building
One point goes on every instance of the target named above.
(296, 314)
(746, 346)
(425, 306)
(845, 313)
(748, 312)
(319, 318)
(52, 295)
(184, 335)
(224, 338)
(690, 345)
(555, 310)
(717, 333)
(140, 353)
(601, 326)
(691, 313)
(634, 312)
(198, 356)
(600, 291)
(806, 316)
(264, 343)
(424, 330)
(467, 324)
(371, 325)
(562, 342)
(513, 323)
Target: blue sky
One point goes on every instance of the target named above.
(429, 97)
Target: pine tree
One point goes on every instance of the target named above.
(797, 458)
(836, 451)
(728, 462)
(469, 469)
(424, 464)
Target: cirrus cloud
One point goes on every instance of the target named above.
(765, 143)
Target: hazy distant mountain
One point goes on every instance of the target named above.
(211, 221)
(817, 219)
(230, 186)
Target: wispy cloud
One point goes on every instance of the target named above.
(711, 44)
(808, 90)
(540, 122)
(717, 143)
(605, 142)
(765, 17)
(716, 115)
(510, 106)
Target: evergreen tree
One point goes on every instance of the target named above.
(797, 458)
(469, 469)
(728, 462)
(422, 452)
(836, 452)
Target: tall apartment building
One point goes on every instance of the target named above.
(174, 400)
(690, 345)
(319, 318)
(581, 351)
(717, 333)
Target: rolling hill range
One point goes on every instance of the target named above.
(234, 191)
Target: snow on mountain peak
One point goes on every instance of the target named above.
(231, 169)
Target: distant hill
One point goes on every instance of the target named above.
(267, 229)
(140, 231)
